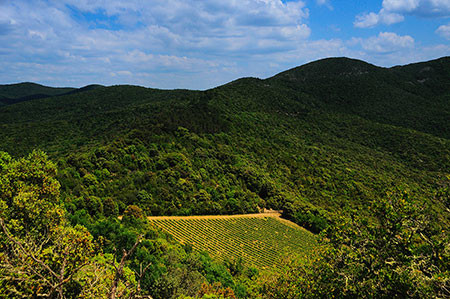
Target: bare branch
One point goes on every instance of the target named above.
(119, 270)
(29, 254)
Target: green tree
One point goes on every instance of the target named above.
(40, 254)
(395, 254)
(29, 194)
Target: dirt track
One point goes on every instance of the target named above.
(258, 215)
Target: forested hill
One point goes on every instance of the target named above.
(355, 153)
(26, 91)
(331, 134)
(415, 96)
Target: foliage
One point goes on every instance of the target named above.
(96, 278)
(34, 267)
(309, 135)
(217, 290)
(15, 93)
(323, 142)
(311, 218)
(398, 254)
(40, 255)
(30, 194)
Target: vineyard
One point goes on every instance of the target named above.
(261, 241)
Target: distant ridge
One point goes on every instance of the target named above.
(27, 91)
(85, 88)
(412, 96)
(326, 68)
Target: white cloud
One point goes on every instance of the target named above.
(325, 3)
(172, 43)
(168, 36)
(428, 8)
(366, 20)
(386, 42)
(444, 31)
(401, 5)
(393, 11)
(390, 18)
(372, 19)
(408, 55)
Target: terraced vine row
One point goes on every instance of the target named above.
(261, 242)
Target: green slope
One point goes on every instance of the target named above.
(13, 93)
(325, 138)
(414, 96)
(22, 92)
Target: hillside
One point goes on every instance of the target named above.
(357, 154)
(26, 91)
(333, 133)
(413, 96)
(260, 240)
(14, 93)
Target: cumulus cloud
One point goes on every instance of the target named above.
(87, 38)
(171, 43)
(386, 42)
(393, 11)
(428, 8)
(372, 19)
(401, 5)
(444, 31)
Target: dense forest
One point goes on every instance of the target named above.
(357, 154)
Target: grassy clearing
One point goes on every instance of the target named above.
(260, 240)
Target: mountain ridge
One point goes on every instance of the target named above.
(321, 145)
(27, 91)
(369, 91)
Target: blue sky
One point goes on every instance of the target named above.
(199, 44)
